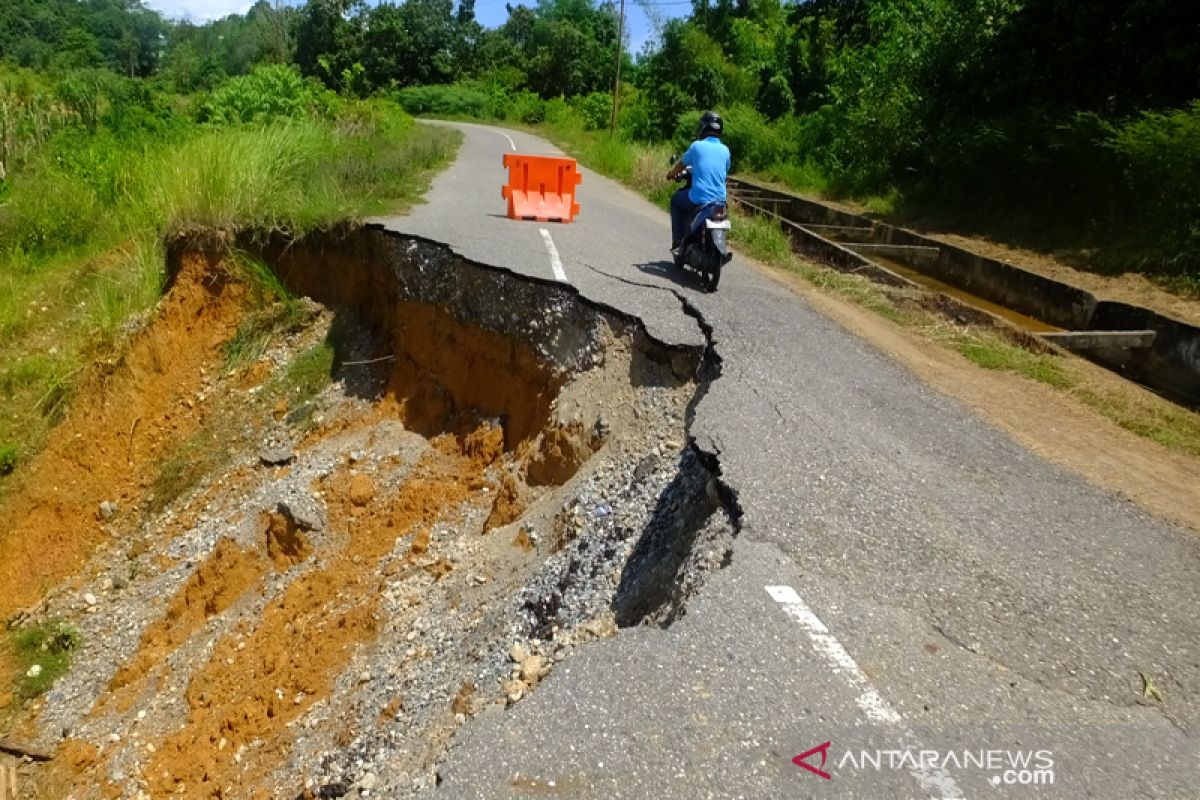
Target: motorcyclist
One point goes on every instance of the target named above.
(710, 162)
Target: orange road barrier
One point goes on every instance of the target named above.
(541, 187)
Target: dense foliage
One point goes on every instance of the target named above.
(1066, 123)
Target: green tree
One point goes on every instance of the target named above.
(327, 37)
(79, 50)
(564, 47)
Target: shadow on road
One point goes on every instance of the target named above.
(668, 270)
(668, 562)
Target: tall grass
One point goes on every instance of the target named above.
(81, 229)
(226, 179)
(29, 115)
(119, 294)
(760, 238)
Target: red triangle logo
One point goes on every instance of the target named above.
(823, 749)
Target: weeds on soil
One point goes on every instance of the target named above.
(990, 350)
(307, 375)
(1156, 419)
(198, 456)
(44, 652)
(9, 455)
(277, 311)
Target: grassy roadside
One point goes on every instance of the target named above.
(81, 253)
(641, 168)
(82, 265)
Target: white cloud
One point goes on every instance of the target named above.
(199, 10)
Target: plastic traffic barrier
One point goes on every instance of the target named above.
(541, 187)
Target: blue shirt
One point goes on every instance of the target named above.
(709, 160)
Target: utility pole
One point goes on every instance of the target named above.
(612, 127)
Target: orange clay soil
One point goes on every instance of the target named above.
(443, 366)
(475, 369)
(225, 576)
(9, 666)
(263, 676)
(118, 430)
(271, 668)
(125, 420)
(259, 679)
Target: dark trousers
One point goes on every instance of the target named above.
(682, 211)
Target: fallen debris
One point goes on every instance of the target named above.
(24, 750)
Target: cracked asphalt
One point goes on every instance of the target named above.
(989, 600)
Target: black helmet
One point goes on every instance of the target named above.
(710, 125)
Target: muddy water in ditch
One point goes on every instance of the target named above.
(1015, 317)
(915, 275)
(496, 466)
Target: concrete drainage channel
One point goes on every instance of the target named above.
(499, 472)
(1141, 345)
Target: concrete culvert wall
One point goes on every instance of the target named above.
(987, 291)
(493, 472)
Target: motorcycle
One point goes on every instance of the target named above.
(705, 247)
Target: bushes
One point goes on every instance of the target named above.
(1160, 156)
(82, 92)
(266, 93)
(596, 109)
(525, 107)
(446, 100)
(493, 102)
(638, 118)
(1038, 169)
(29, 115)
(753, 143)
(135, 109)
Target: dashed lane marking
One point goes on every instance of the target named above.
(932, 779)
(555, 261)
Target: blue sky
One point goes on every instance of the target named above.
(489, 12)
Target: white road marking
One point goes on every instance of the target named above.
(511, 143)
(555, 261)
(932, 779)
(874, 706)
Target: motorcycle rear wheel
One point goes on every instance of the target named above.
(711, 279)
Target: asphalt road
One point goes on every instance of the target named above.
(907, 578)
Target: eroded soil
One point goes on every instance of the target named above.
(366, 566)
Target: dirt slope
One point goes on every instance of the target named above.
(423, 534)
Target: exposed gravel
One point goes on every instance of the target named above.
(468, 624)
